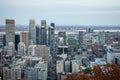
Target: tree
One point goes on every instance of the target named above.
(106, 72)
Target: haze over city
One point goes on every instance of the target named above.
(62, 12)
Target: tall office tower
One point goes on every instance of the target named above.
(17, 40)
(1, 40)
(21, 49)
(24, 37)
(32, 32)
(37, 34)
(62, 35)
(101, 37)
(10, 31)
(51, 39)
(80, 38)
(43, 33)
(49, 30)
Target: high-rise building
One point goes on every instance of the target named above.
(80, 38)
(43, 33)
(32, 32)
(11, 73)
(37, 34)
(17, 40)
(1, 40)
(36, 72)
(21, 49)
(51, 39)
(101, 38)
(10, 31)
(24, 37)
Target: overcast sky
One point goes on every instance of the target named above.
(62, 12)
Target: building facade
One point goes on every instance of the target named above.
(10, 31)
(32, 32)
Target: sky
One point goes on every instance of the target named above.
(62, 12)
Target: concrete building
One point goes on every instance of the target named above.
(61, 76)
(21, 49)
(1, 40)
(24, 37)
(42, 51)
(76, 66)
(10, 49)
(101, 37)
(31, 50)
(37, 72)
(60, 66)
(112, 54)
(43, 33)
(10, 31)
(67, 66)
(37, 35)
(80, 38)
(32, 32)
(11, 73)
(51, 39)
(62, 35)
(39, 51)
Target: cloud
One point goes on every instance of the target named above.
(87, 3)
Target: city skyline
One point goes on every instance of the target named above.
(62, 12)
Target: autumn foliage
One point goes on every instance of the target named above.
(106, 72)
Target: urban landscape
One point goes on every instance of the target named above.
(43, 52)
(59, 40)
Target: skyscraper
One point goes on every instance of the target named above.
(24, 37)
(80, 38)
(51, 39)
(37, 34)
(32, 32)
(101, 37)
(10, 31)
(43, 33)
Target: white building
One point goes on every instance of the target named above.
(10, 31)
(31, 50)
(75, 66)
(37, 72)
(112, 53)
(11, 73)
(60, 66)
(10, 49)
(21, 49)
(32, 31)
